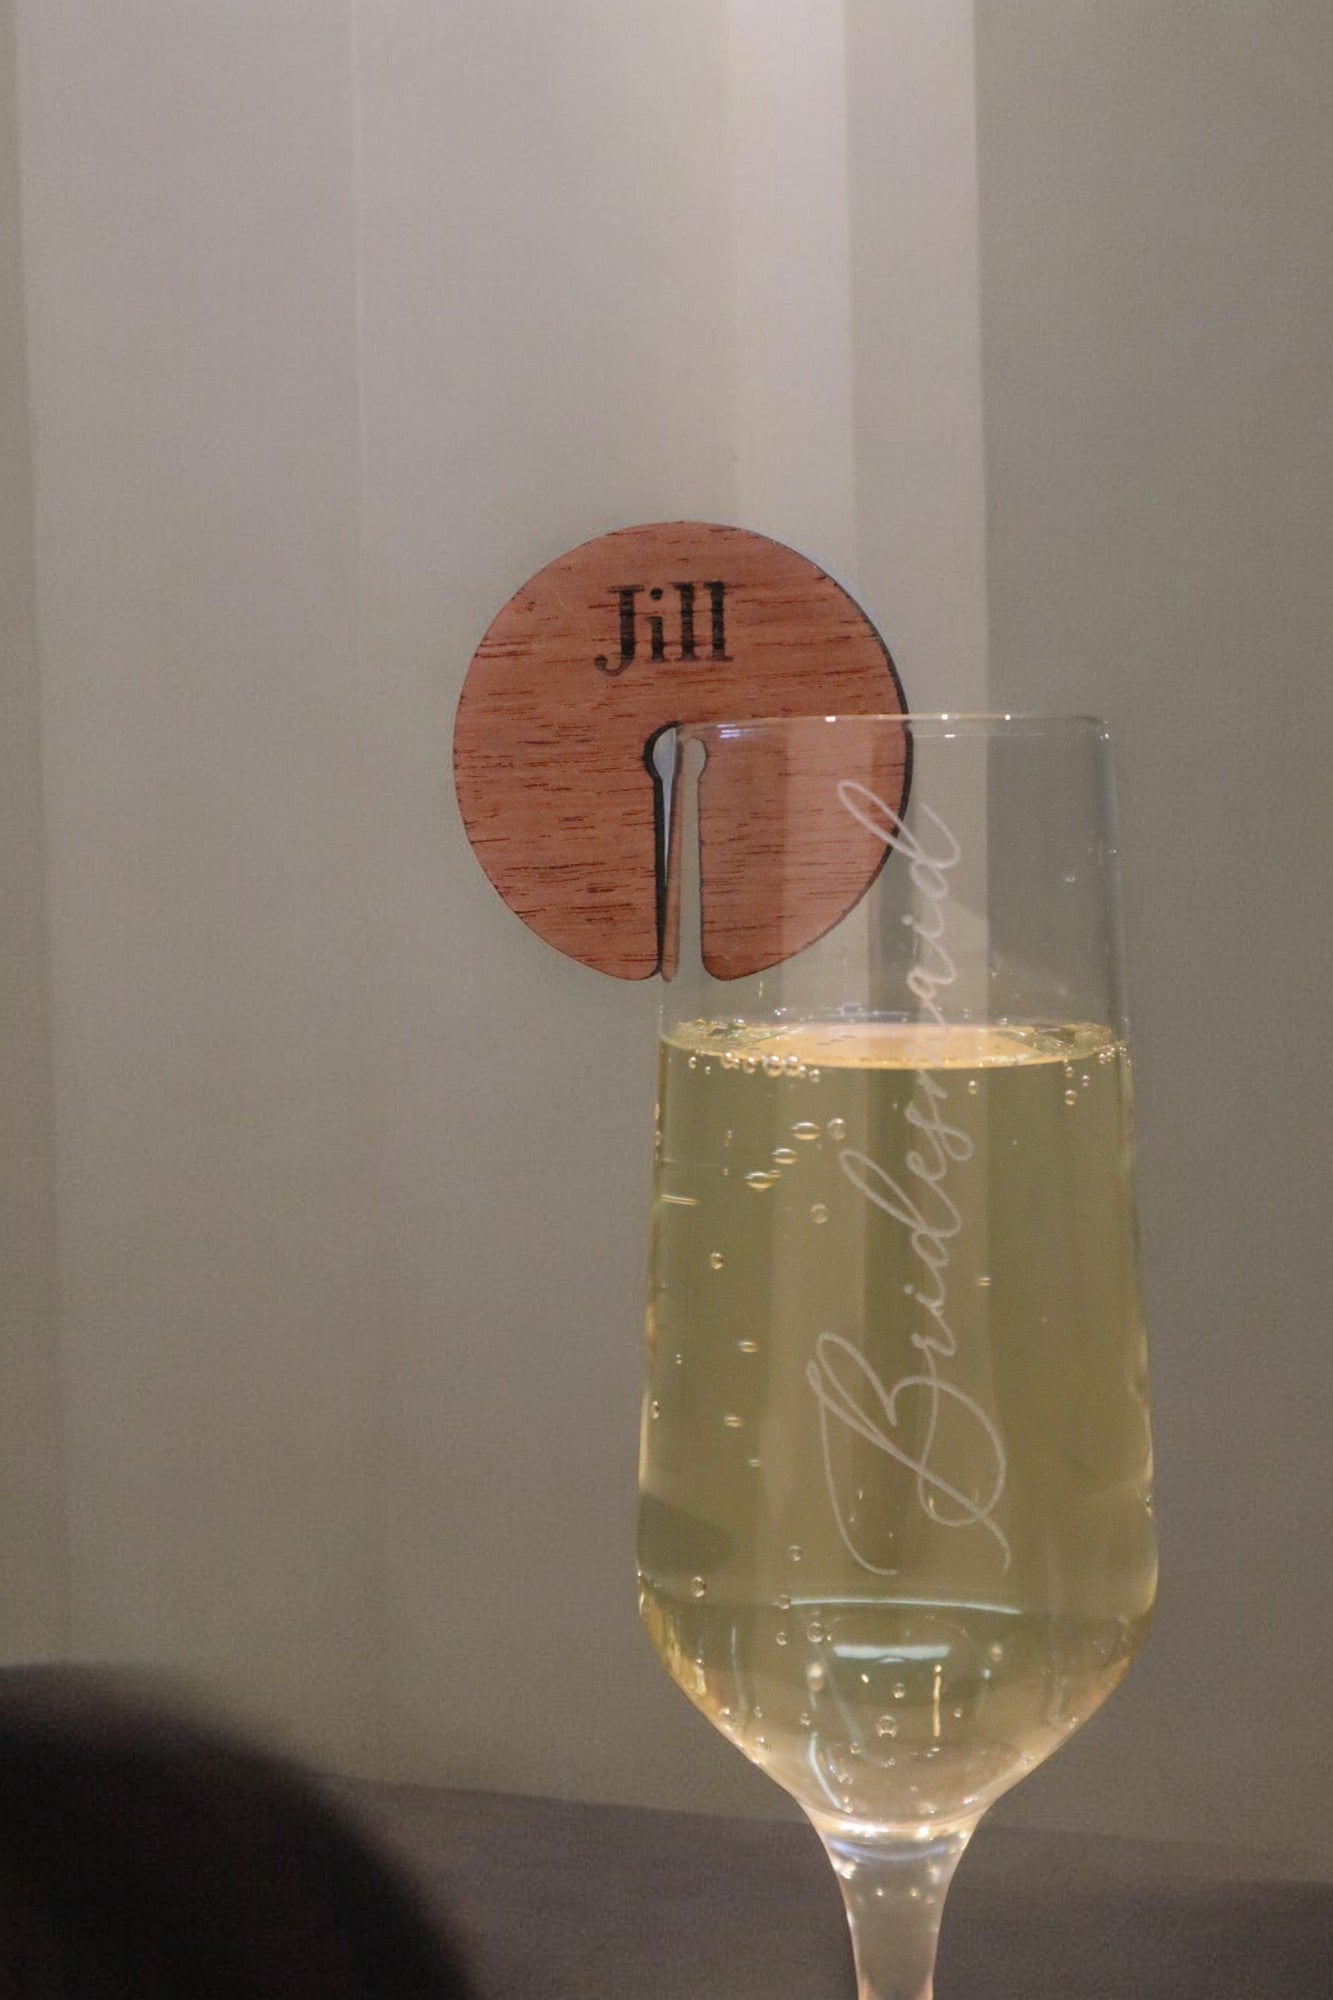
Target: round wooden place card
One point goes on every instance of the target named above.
(582, 669)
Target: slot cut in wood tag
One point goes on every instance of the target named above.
(682, 622)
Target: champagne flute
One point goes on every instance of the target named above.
(895, 1530)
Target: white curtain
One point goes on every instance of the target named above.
(340, 320)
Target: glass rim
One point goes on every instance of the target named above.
(942, 722)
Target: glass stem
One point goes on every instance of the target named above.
(894, 1888)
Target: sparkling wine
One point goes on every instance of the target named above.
(895, 1526)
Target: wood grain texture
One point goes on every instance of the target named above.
(605, 647)
(781, 858)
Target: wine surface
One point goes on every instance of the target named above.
(895, 1531)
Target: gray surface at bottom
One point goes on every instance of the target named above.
(562, 1901)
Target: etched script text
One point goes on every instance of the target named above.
(848, 1390)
